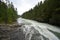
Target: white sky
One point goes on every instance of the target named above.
(24, 5)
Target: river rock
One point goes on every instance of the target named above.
(11, 32)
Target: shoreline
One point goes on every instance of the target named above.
(8, 30)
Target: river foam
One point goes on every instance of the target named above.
(38, 31)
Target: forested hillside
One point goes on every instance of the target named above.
(47, 12)
(8, 14)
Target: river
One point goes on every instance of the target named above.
(34, 30)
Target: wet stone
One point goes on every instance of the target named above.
(38, 37)
(11, 33)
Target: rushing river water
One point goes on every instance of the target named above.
(38, 31)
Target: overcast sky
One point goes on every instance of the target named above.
(24, 5)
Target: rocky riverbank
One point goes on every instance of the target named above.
(11, 32)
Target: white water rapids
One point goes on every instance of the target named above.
(38, 31)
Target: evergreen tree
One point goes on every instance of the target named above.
(8, 14)
(48, 12)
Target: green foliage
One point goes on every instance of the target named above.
(8, 14)
(48, 12)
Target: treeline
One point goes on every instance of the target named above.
(47, 12)
(8, 14)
